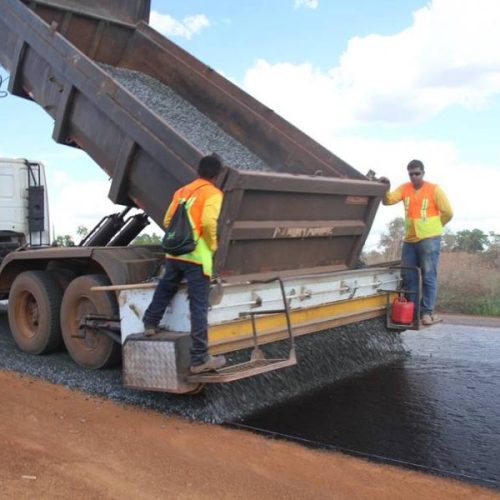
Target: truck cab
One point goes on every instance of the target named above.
(24, 216)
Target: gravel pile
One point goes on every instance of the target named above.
(323, 359)
(196, 128)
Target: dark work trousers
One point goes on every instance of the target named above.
(198, 289)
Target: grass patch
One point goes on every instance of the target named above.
(469, 284)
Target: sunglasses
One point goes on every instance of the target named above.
(414, 174)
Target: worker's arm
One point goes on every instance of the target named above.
(209, 220)
(393, 197)
(444, 206)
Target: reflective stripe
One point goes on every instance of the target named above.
(423, 210)
(407, 203)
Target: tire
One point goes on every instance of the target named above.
(34, 306)
(95, 350)
(63, 276)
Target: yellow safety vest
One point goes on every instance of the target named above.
(196, 193)
(421, 211)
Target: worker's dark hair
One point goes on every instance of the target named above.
(415, 164)
(210, 166)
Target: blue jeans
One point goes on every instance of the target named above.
(198, 291)
(425, 255)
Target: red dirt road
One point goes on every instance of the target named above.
(56, 443)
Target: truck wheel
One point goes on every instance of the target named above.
(34, 305)
(63, 276)
(89, 347)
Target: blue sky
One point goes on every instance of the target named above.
(377, 82)
(276, 31)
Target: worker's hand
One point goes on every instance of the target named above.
(386, 182)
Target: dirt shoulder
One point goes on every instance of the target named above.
(57, 443)
(467, 320)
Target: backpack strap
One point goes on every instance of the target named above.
(194, 191)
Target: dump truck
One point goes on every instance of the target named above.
(293, 222)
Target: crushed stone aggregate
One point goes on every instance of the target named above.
(189, 122)
(323, 359)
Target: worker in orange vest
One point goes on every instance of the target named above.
(427, 211)
(203, 201)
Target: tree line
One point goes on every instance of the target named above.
(67, 240)
(467, 240)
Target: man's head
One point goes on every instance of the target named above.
(210, 167)
(416, 172)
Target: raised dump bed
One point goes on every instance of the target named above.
(100, 70)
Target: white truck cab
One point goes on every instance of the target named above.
(24, 214)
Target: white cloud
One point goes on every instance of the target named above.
(171, 27)
(308, 4)
(73, 203)
(449, 56)
(302, 94)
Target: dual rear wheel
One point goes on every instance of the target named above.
(46, 310)
(34, 305)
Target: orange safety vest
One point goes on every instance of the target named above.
(196, 193)
(421, 211)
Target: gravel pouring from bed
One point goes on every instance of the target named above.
(323, 359)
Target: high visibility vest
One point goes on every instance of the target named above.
(196, 193)
(421, 211)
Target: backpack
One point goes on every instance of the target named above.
(179, 237)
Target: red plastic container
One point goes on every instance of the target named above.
(402, 311)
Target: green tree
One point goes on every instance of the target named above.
(449, 241)
(471, 241)
(147, 239)
(391, 241)
(494, 239)
(492, 253)
(82, 231)
(64, 241)
(372, 257)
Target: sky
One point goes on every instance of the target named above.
(377, 82)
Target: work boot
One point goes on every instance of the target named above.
(430, 319)
(436, 318)
(150, 330)
(212, 363)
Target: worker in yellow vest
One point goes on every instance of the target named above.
(203, 201)
(427, 211)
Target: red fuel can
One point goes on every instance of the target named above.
(402, 311)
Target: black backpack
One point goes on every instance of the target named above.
(179, 237)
